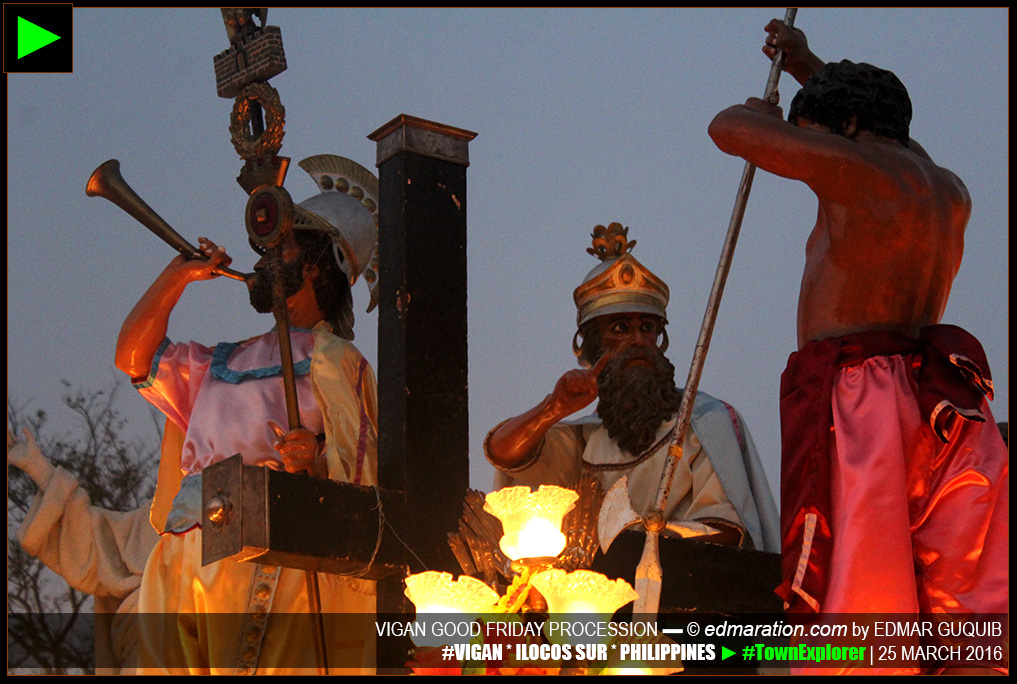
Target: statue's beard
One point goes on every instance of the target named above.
(635, 400)
(260, 285)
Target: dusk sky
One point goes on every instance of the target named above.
(583, 117)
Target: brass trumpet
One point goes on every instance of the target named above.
(107, 182)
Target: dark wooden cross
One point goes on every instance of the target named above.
(258, 514)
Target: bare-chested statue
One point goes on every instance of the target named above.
(895, 479)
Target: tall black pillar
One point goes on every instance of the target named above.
(423, 427)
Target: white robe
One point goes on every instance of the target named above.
(96, 551)
(719, 476)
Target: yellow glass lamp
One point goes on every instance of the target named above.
(436, 593)
(531, 521)
(582, 591)
(588, 598)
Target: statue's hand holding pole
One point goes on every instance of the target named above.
(783, 39)
(299, 451)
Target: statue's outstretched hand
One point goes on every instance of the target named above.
(27, 457)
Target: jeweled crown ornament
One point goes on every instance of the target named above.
(619, 284)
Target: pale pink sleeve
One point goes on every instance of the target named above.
(172, 384)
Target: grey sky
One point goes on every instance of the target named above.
(583, 117)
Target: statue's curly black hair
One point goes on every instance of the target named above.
(839, 90)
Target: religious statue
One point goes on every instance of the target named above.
(229, 399)
(895, 480)
(720, 492)
(95, 550)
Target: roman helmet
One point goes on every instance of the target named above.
(346, 209)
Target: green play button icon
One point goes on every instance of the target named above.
(32, 37)
(38, 39)
(725, 653)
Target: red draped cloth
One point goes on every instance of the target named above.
(894, 488)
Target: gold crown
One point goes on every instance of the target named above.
(619, 284)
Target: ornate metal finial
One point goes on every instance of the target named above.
(242, 72)
(252, 140)
(239, 21)
(610, 242)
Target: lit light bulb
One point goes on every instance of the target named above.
(437, 592)
(582, 591)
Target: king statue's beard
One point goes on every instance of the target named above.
(635, 400)
(260, 285)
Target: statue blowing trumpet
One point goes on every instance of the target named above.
(107, 182)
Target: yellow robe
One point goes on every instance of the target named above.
(191, 617)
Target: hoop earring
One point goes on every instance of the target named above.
(577, 346)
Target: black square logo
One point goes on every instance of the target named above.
(38, 39)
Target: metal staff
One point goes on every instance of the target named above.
(269, 220)
(269, 208)
(275, 267)
(648, 572)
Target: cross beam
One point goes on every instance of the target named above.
(252, 513)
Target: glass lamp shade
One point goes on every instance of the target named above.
(439, 598)
(583, 598)
(582, 591)
(531, 521)
(437, 592)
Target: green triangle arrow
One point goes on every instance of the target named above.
(725, 653)
(32, 37)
